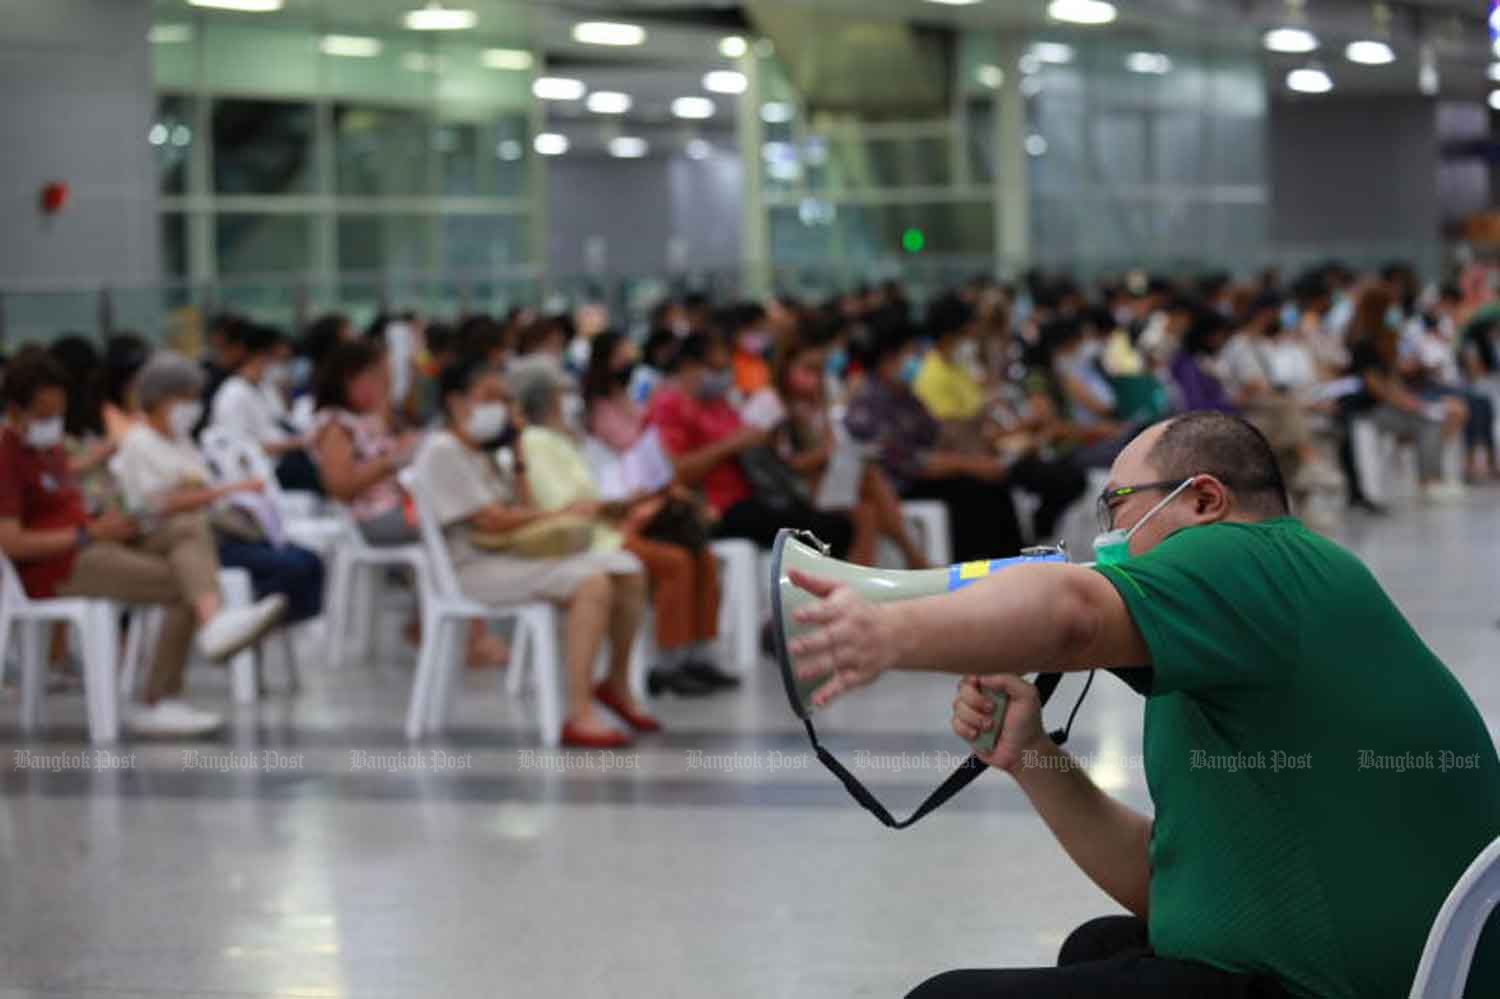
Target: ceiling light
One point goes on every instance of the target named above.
(550, 144)
(1291, 40)
(608, 102)
(1495, 72)
(1369, 53)
(1154, 63)
(699, 149)
(510, 150)
(693, 107)
(1036, 145)
(516, 60)
(558, 88)
(436, 17)
(169, 34)
(1428, 82)
(1309, 80)
(733, 47)
(1495, 99)
(1081, 11)
(248, 6)
(158, 133)
(990, 76)
(1054, 52)
(776, 113)
(608, 33)
(628, 147)
(353, 46)
(725, 81)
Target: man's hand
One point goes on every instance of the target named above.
(850, 645)
(113, 526)
(1020, 728)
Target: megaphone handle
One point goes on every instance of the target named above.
(985, 741)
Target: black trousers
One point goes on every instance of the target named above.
(1058, 484)
(1107, 957)
(981, 517)
(755, 520)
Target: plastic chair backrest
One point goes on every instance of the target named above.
(1444, 968)
(12, 592)
(234, 457)
(444, 578)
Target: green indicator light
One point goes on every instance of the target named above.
(913, 240)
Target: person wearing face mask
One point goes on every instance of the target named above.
(1273, 667)
(750, 330)
(603, 593)
(241, 407)
(946, 384)
(162, 472)
(59, 550)
(885, 414)
(706, 440)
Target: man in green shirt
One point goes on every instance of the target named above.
(1320, 780)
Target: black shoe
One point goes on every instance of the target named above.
(709, 674)
(676, 681)
(1367, 506)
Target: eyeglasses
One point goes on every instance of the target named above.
(1104, 508)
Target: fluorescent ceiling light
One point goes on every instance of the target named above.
(608, 102)
(608, 33)
(158, 134)
(558, 88)
(1054, 52)
(1292, 40)
(1081, 11)
(628, 147)
(1309, 80)
(1036, 145)
(1369, 53)
(353, 46)
(510, 150)
(699, 149)
(1154, 63)
(550, 144)
(436, 17)
(169, 34)
(725, 81)
(733, 46)
(776, 113)
(1495, 99)
(248, 6)
(516, 60)
(1495, 72)
(693, 107)
(990, 76)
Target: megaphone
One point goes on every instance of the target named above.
(802, 551)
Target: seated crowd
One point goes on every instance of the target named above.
(572, 463)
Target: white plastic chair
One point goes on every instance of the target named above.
(445, 612)
(739, 608)
(232, 457)
(1444, 967)
(99, 633)
(357, 571)
(928, 519)
(245, 668)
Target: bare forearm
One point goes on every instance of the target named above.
(1108, 841)
(693, 466)
(24, 546)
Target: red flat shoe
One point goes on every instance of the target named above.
(576, 738)
(637, 720)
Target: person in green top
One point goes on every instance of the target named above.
(1319, 779)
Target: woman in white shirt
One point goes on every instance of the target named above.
(603, 592)
(243, 407)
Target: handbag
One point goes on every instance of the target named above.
(773, 480)
(555, 537)
(677, 523)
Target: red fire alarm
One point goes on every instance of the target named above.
(54, 197)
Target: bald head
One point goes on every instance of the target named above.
(1209, 443)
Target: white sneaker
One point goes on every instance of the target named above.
(237, 628)
(170, 717)
(1444, 492)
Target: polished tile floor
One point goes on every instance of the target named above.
(310, 852)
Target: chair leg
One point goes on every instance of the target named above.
(339, 598)
(421, 682)
(244, 671)
(548, 677)
(520, 648)
(101, 643)
(362, 608)
(445, 680)
(33, 675)
(289, 654)
(747, 617)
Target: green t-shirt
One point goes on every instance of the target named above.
(1320, 779)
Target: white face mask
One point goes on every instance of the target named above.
(487, 421)
(45, 433)
(183, 417)
(278, 375)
